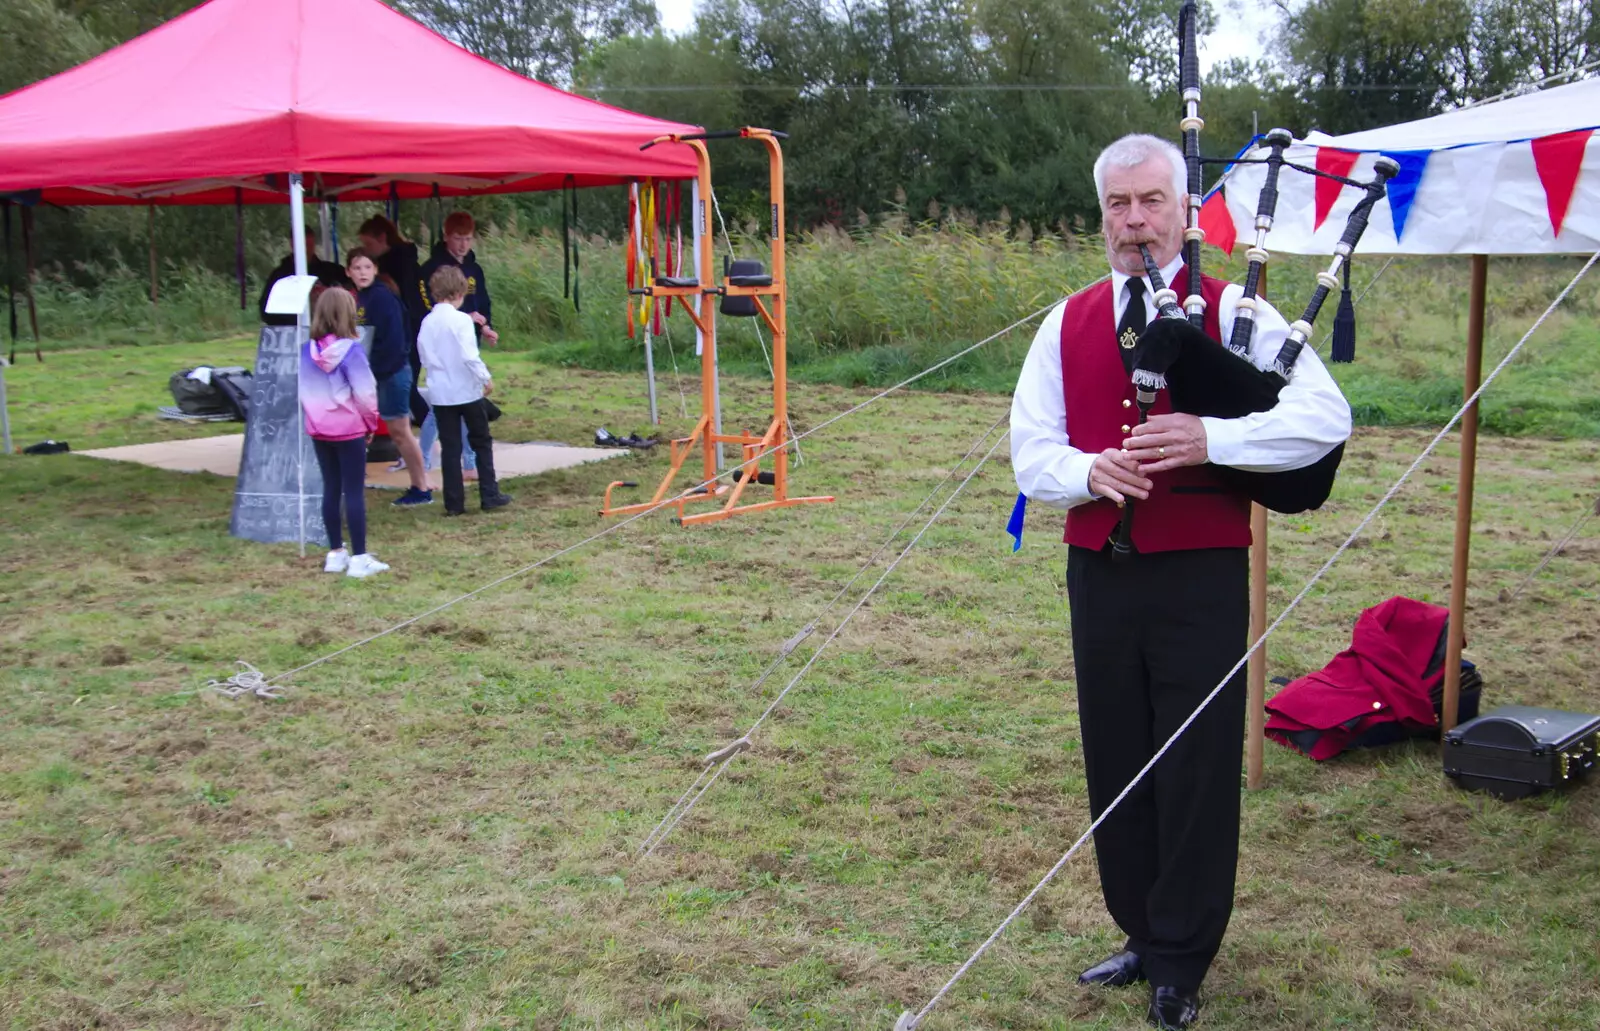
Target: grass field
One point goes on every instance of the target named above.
(438, 830)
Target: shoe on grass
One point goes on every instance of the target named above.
(338, 561)
(413, 496)
(500, 500)
(362, 566)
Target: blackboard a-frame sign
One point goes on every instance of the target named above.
(279, 494)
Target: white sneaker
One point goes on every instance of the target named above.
(338, 561)
(398, 467)
(365, 565)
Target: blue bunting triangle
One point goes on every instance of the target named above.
(1403, 187)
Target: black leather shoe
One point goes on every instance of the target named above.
(1124, 968)
(494, 501)
(1172, 1009)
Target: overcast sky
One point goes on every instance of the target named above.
(1244, 26)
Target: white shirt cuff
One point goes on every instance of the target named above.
(1078, 476)
(1224, 439)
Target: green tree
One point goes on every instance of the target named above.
(38, 39)
(542, 39)
(1365, 63)
(121, 20)
(1530, 40)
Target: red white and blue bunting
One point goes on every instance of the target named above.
(1512, 177)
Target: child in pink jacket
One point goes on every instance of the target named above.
(339, 397)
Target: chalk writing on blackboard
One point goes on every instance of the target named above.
(279, 494)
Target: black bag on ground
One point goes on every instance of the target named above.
(197, 397)
(236, 386)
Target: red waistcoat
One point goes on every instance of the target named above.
(1188, 508)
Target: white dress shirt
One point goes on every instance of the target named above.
(1309, 420)
(447, 344)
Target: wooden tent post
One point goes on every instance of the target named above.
(1256, 672)
(1469, 466)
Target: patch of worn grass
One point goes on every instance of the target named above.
(439, 829)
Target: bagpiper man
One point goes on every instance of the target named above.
(1154, 635)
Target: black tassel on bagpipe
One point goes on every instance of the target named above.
(1344, 324)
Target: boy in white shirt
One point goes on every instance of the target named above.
(455, 382)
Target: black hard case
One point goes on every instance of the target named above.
(1517, 750)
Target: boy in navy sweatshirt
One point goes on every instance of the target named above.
(455, 250)
(460, 233)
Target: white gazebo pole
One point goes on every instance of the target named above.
(1469, 466)
(324, 224)
(297, 226)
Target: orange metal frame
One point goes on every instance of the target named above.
(771, 303)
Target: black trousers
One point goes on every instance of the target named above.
(449, 419)
(1151, 637)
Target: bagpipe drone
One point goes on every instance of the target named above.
(1202, 376)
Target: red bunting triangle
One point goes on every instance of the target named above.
(1558, 159)
(1335, 162)
(1217, 221)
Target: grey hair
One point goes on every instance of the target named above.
(1134, 150)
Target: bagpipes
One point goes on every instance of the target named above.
(1204, 378)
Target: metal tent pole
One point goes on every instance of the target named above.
(297, 226)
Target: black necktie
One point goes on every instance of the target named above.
(1132, 323)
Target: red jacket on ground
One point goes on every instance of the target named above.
(1385, 676)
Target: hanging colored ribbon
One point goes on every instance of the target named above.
(666, 254)
(632, 257)
(647, 214)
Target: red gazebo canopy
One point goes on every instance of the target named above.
(229, 98)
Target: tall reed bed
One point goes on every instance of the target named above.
(874, 304)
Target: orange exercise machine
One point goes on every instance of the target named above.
(745, 290)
